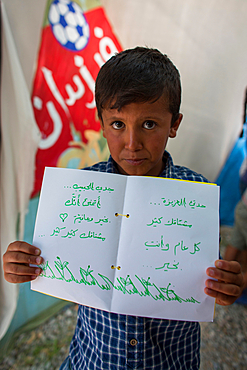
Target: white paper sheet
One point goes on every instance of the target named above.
(127, 244)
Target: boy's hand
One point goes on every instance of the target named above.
(229, 284)
(17, 260)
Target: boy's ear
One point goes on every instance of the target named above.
(102, 127)
(175, 126)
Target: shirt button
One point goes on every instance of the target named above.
(133, 342)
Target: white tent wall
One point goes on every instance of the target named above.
(206, 41)
(18, 126)
(25, 19)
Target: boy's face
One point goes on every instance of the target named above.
(137, 136)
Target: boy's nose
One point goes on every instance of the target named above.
(133, 140)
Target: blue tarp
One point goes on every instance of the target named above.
(229, 181)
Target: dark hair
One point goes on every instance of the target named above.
(136, 76)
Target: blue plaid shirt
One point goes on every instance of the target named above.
(105, 340)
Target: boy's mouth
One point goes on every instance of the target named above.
(135, 162)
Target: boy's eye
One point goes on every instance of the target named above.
(149, 125)
(117, 125)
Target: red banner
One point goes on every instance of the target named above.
(74, 45)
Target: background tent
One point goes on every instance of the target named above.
(204, 39)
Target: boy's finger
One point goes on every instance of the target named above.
(19, 257)
(225, 276)
(230, 266)
(222, 299)
(221, 287)
(17, 269)
(16, 279)
(24, 247)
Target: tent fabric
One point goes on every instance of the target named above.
(19, 141)
(206, 41)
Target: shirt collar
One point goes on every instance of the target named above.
(167, 172)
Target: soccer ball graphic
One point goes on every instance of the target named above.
(69, 25)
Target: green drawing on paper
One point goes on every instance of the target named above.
(79, 218)
(182, 202)
(63, 216)
(62, 267)
(179, 202)
(76, 201)
(57, 230)
(193, 205)
(177, 222)
(102, 221)
(166, 246)
(82, 217)
(161, 245)
(181, 245)
(126, 285)
(184, 248)
(174, 221)
(167, 266)
(72, 233)
(92, 187)
(92, 234)
(196, 248)
(69, 234)
(156, 221)
(73, 201)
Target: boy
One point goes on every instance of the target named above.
(138, 96)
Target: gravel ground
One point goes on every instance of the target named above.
(224, 342)
(223, 347)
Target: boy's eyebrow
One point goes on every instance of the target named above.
(141, 117)
(113, 118)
